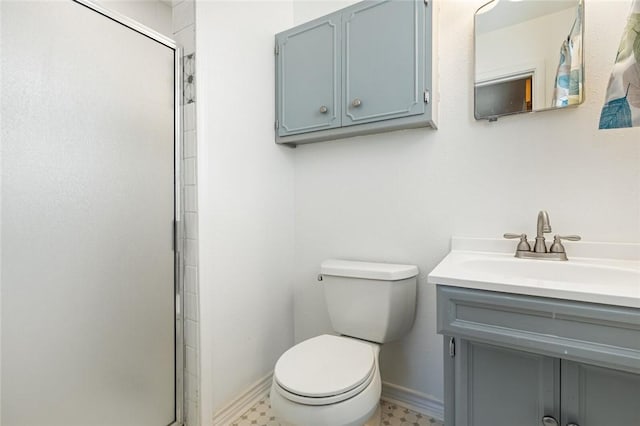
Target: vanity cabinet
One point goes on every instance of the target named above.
(593, 395)
(503, 387)
(514, 359)
(365, 69)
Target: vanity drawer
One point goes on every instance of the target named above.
(593, 333)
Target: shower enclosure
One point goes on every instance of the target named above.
(90, 290)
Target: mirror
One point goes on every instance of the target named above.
(528, 56)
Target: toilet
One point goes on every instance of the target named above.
(334, 380)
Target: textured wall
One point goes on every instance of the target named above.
(245, 200)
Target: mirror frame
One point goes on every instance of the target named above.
(492, 118)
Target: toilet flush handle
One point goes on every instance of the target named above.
(320, 277)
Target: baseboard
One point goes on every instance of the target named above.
(413, 400)
(404, 397)
(247, 399)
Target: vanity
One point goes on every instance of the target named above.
(532, 342)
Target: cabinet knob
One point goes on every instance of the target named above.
(324, 109)
(572, 424)
(549, 421)
(356, 103)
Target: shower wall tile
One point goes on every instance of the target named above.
(192, 413)
(192, 360)
(190, 171)
(191, 225)
(189, 79)
(191, 307)
(183, 15)
(191, 252)
(191, 333)
(190, 198)
(191, 384)
(189, 117)
(184, 34)
(189, 144)
(191, 279)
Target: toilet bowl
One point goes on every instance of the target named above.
(335, 380)
(328, 380)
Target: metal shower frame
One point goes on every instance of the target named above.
(178, 208)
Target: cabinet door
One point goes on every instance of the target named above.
(308, 77)
(502, 387)
(383, 55)
(596, 396)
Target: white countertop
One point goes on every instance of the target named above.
(607, 273)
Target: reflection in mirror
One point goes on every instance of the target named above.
(528, 56)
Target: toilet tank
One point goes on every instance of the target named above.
(370, 301)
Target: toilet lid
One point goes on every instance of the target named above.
(325, 366)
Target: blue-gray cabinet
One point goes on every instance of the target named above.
(498, 386)
(593, 395)
(308, 77)
(364, 69)
(515, 360)
(383, 55)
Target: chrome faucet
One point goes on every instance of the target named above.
(555, 252)
(543, 227)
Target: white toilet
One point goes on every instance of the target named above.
(335, 380)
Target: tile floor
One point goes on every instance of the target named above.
(392, 415)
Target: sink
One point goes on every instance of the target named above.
(598, 280)
(580, 271)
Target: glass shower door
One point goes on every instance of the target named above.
(87, 211)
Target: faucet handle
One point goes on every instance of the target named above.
(510, 235)
(557, 246)
(523, 245)
(568, 237)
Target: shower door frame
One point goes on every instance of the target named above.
(177, 159)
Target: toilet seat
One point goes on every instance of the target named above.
(325, 370)
(326, 400)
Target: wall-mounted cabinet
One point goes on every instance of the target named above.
(531, 361)
(365, 69)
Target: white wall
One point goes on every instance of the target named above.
(154, 14)
(399, 197)
(245, 195)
